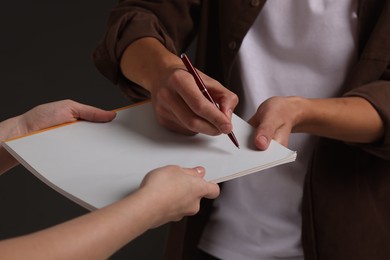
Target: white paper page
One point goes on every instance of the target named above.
(96, 164)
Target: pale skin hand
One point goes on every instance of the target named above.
(44, 116)
(349, 119)
(185, 190)
(178, 103)
(166, 194)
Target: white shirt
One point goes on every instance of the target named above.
(301, 48)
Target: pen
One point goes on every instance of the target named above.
(204, 90)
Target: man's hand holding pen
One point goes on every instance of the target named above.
(177, 101)
(204, 90)
(181, 107)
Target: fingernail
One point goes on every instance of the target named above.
(199, 170)
(230, 113)
(263, 140)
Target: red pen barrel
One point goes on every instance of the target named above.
(204, 90)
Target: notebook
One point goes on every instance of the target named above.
(96, 164)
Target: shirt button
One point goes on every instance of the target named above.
(255, 3)
(232, 45)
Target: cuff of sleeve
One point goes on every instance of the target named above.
(127, 29)
(378, 94)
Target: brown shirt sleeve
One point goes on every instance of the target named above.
(378, 94)
(173, 23)
(370, 79)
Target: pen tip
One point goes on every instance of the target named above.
(234, 140)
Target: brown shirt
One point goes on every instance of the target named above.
(346, 203)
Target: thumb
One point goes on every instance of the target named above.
(263, 137)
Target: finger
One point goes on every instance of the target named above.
(211, 117)
(201, 171)
(213, 190)
(227, 102)
(189, 118)
(265, 129)
(264, 135)
(171, 122)
(93, 114)
(198, 171)
(226, 99)
(282, 135)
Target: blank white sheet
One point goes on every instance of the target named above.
(96, 164)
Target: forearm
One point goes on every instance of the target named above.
(8, 129)
(350, 119)
(93, 236)
(11, 128)
(145, 60)
(7, 161)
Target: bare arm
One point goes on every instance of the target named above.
(8, 129)
(167, 194)
(350, 119)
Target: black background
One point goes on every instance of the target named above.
(45, 55)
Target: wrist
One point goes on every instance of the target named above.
(12, 128)
(146, 60)
(7, 160)
(152, 206)
(302, 108)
